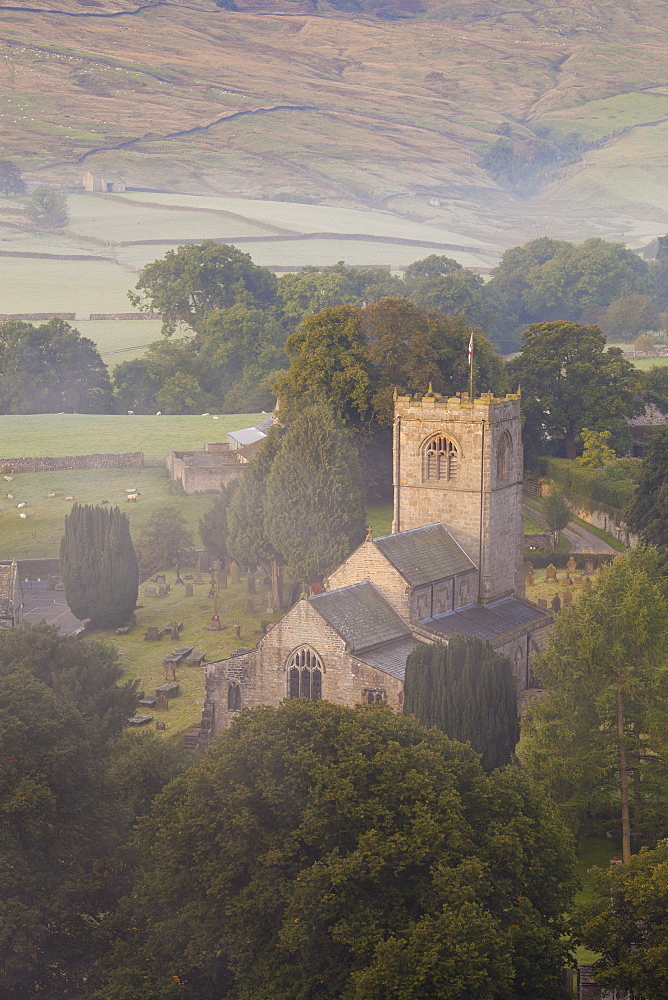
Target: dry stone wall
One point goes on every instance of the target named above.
(126, 460)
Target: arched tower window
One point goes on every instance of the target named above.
(504, 455)
(233, 698)
(304, 674)
(440, 458)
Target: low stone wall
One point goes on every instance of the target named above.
(130, 315)
(42, 316)
(127, 460)
(613, 525)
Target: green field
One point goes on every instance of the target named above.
(646, 363)
(81, 434)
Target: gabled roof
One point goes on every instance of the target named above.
(424, 554)
(266, 424)
(361, 615)
(488, 622)
(247, 435)
(391, 657)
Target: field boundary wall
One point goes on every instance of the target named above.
(125, 460)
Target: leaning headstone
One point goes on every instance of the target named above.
(566, 598)
(250, 583)
(542, 604)
(189, 590)
(529, 579)
(235, 575)
(197, 576)
(170, 672)
(556, 603)
(162, 704)
(153, 632)
(589, 567)
(577, 581)
(250, 606)
(571, 565)
(551, 574)
(150, 590)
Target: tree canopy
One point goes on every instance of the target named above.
(47, 207)
(569, 381)
(648, 512)
(468, 691)
(162, 539)
(51, 368)
(317, 850)
(99, 566)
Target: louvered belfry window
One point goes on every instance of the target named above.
(440, 459)
(305, 674)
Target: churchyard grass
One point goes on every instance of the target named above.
(591, 851)
(81, 434)
(142, 659)
(379, 518)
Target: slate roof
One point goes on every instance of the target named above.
(7, 581)
(266, 424)
(488, 622)
(361, 615)
(424, 554)
(391, 657)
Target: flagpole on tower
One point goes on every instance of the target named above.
(471, 368)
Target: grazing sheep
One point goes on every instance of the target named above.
(132, 496)
(69, 498)
(206, 414)
(9, 478)
(49, 495)
(23, 515)
(24, 504)
(159, 413)
(215, 418)
(10, 496)
(131, 413)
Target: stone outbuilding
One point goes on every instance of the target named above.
(453, 564)
(219, 462)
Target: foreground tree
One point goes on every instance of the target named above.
(648, 513)
(163, 539)
(570, 381)
(467, 691)
(99, 566)
(627, 925)
(322, 851)
(314, 508)
(592, 741)
(51, 368)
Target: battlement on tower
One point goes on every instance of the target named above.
(486, 406)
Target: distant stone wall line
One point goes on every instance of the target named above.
(124, 460)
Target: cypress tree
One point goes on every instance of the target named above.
(99, 565)
(466, 690)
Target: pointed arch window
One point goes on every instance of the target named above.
(440, 459)
(504, 456)
(304, 674)
(234, 698)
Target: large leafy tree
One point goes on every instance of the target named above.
(626, 924)
(458, 294)
(51, 368)
(196, 279)
(314, 509)
(648, 512)
(570, 381)
(213, 522)
(47, 207)
(593, 740)
(11, 181)
(99, 565)
(163, 538)
(247, 530)
(313, 289)
(322, 851)
(467, 691)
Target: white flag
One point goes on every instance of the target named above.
(471, 349)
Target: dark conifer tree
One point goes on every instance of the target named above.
(99, 565)
(466, 690)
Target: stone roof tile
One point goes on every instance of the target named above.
(423, 555)
(488, 622)
(361, 615)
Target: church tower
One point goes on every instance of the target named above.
(461, 462)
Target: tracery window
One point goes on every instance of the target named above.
(503, 456)
(372, 695)
(305, 674)
(440, 459)
(233, 698)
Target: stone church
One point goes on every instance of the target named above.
(453, 564)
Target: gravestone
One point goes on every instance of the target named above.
(577, 581)
(160, 726)
(189, 590)
(589, 567)
(571, 565)
(269, 610)
(160, 578)
(556, 603)
(153, 632)
(237, 631)
(150, 590)
(568, 580)
(197, 576)
(170, 671)
(162, 704)
(250, 606)
(551, 574)
(529, 579)
(250, 583)
(542, 604)
(163, 589)
(175, 633)
(566, 598)
(235, 575)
